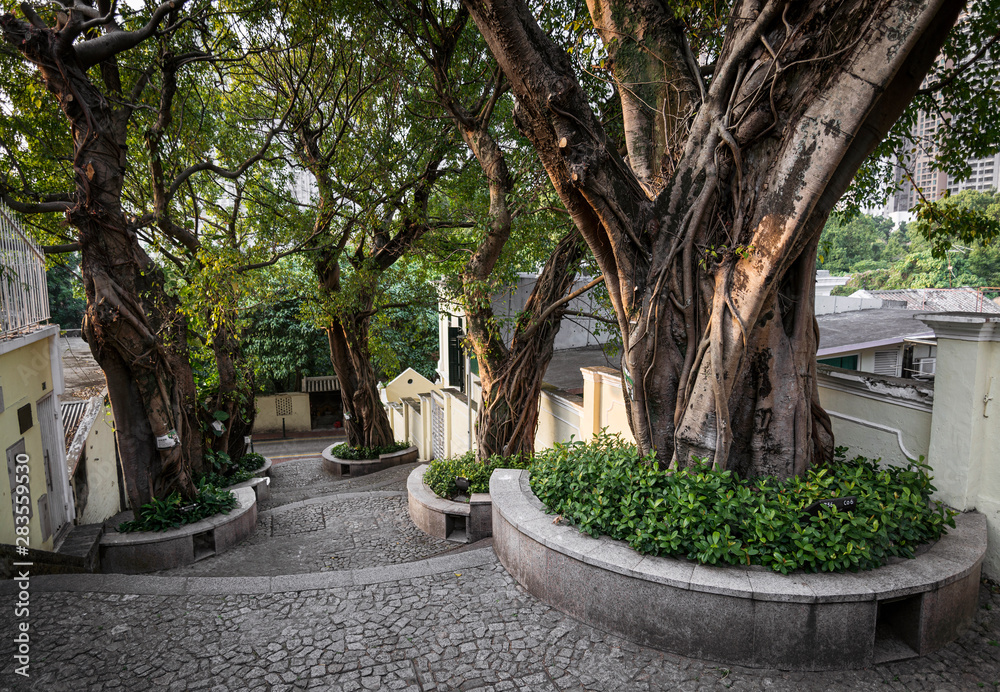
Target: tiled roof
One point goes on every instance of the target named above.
(936, 299)
(879, 326)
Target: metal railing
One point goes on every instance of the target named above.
(24, 295)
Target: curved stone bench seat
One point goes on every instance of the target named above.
(148, 551)
(744, 616)
(362, 467)
(461, 522)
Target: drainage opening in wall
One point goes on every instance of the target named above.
(897, 628)
(455, 528)
(204, 545)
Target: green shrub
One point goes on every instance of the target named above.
(160, 515)
(441, 473)
(345, 451)
(240, 472)
(715, 517)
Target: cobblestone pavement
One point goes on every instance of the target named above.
(338, 532)
(472, 629)
(456, 622)
(304, 479)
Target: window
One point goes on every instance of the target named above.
(887, 363)
(846, 362)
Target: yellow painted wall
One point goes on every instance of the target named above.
(408, 383)
(881, 442)
(460, 425)
(559, 417)
(268, 420)
(23, 371)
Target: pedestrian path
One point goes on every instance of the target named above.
(452, 621)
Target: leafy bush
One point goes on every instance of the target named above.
(715, 517)
(242, 471)
(345, 451)
(160, 515)
(441, 473)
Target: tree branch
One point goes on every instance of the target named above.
(96, 50)
(557, 304)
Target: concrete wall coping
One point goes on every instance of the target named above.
(421, 493)
(895, 390)
(953, 557)
(245, 499)
(264, 470)
(393, 456)
(599, 373)
(963, 326)
(328, 455)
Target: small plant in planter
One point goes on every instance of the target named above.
(172, 511)
(242, 470)
(441, 473)
(345, 451)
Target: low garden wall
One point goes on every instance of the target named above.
(148, 551)
(462, 522)
(362, 467)
(743, 616)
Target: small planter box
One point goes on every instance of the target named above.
(149, 551)
(459, 522)
(362, 467)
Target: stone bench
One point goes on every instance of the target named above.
(148, 551)
(362, 467)
(745, 616)
(261, 487)
(460, 522)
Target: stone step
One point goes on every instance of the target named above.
(83, 542)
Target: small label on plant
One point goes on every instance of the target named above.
(168, 441)
(841, 504)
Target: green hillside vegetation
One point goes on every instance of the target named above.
(928, 253)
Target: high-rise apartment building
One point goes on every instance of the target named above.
(985, 173)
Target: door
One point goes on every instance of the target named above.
(56, 499)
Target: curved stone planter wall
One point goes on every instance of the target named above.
(148, 551)
(453, 521)
(264, 470)
(753, 616)
(362, 467)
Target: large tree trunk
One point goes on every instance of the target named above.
(235, 396)
(365, 418)
(708, 259)
(512, 381)
(132, 324)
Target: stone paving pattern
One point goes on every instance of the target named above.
(303, 479)
(470, 630)
(349, 532)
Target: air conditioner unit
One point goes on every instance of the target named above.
(926, 366)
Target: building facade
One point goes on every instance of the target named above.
(31, 432)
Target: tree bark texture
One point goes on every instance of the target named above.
(365, 418)
(235, 396)
(708, 248)
(132, 324)
(511, 376)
